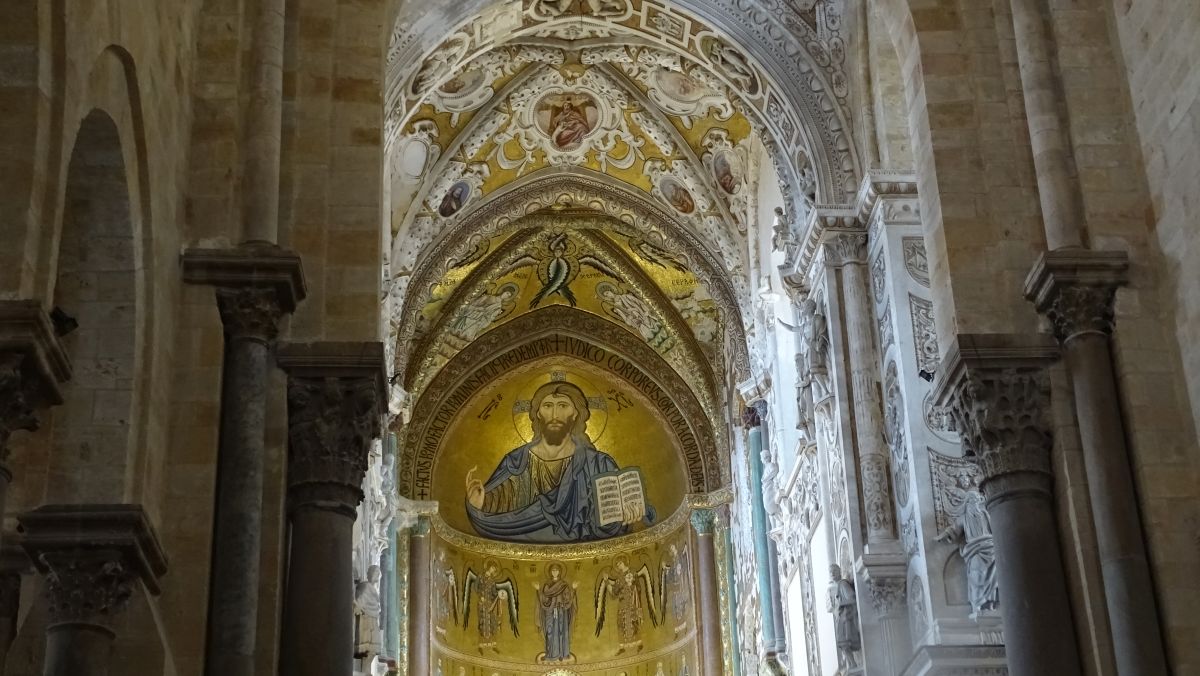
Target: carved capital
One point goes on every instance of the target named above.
(1075, 289)
(335, 401)
(93, 557)
(33, 364)
(421, 526)
(888, 594)
(752, 415)
(845, 248)
(997, 389)
(704, 521)
(250, 312)
(87, 586)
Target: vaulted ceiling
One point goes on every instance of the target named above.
(603, 155)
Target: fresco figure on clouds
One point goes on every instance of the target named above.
(558, 487)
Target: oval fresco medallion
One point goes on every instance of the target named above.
(567, 118)
(456, 197)
(677, 195)
(727, 171)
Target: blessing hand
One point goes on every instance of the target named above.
(475, 491)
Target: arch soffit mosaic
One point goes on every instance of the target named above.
(543, 202)
(685, 162)
(794, 55)
(690, 361)
(561, 332)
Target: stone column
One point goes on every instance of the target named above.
(93, 557)
(336, 395)
(1075, 289)
(13, 564)
(33, 365)
(1062, 204)
(997, 389)
(848, 251)
(420, 592)
(255, 286)
(768, 585)
(264, 125)
(704, 522)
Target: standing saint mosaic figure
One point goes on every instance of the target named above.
(558, 601)
(495, 592)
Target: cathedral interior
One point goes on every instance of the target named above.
(599, 337)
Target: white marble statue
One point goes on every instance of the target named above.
(842, 601)
(972, 531)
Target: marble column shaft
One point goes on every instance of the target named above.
(94, 558)
(999, 394)
(1076, 290)
(848, 250)
(704, 524)
(335, 394)
(768, 598)
(419, 595)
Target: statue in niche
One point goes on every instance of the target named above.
(842, 601)
(558, 487)
(367, 609)
(972, 531)
(557, 603)
(495, 593)
(634, 594)
(675, 586)
(782, 229)
(446, 594)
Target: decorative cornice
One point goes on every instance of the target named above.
(252, 264)
(997, 389)
(1075, 289)
(93, 556)
(336, 394)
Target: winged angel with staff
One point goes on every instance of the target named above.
(494, 590)
(634, 594)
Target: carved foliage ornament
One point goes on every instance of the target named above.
(87, 586)
(250, 312)
(331, 423)
(845, 248)
(16, 413)
(887, 594)
(1000, 414)
(1082, 309)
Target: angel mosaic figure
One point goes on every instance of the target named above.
(495, 592)
(634, 594)
(446, 599)
(675, 586)
(557, 602)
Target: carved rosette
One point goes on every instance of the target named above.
(704, 521)
(331, 423)
(845, 248)
(1001, 416)
(87, 586)
(251, 312)
(1081, 309)
(888, 594)
(16, 413)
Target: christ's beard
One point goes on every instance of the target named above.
(555, 433)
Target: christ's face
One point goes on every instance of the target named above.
(557, 414)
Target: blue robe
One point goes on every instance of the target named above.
(566, 513)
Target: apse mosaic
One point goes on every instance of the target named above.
(620, 610)
(557, 453)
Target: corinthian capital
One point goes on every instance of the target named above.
(1075, 289)
(257, 283)
(87, 586)
(336, 396)
(844, 248)
(250, 312)
(997, 389)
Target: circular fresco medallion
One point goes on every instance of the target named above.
(677, 195)
(567, 118)
(456, 197)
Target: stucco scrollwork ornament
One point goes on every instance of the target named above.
(962, 519)
(887, 334)
(878, 277)
(915, 260)
(893, 420)
(918, 609)
(924, 333)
